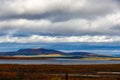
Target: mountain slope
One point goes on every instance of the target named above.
(42, 51)
(86, 54)
(37, 51)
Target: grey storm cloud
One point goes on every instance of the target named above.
(56, 8)
(60, 17)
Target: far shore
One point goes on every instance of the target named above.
(25, 58)
(49, 58)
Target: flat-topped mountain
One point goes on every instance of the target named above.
(43, 51)
(37, 51)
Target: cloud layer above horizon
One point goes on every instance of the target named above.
(28, 21)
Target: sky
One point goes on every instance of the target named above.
(67, 25)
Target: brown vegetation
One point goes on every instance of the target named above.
(60, 72)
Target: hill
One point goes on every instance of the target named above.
(42, 52)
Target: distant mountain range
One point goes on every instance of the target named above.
(50, 52)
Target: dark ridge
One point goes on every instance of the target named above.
(40, 51)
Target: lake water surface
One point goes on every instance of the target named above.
(59, 61)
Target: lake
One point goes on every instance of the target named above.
(59, 61)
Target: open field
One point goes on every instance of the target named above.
(60, 72)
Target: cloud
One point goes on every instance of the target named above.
(59, 18)
(106, 25)
(61, 25)
(55, 9)
(58, 39)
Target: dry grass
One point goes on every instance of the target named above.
(59, 72)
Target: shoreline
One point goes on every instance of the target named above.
(52, 58)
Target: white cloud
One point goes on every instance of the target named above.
(109, 24)
(39, 6)
(29, 7)
(93, 22)
(59, 39)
